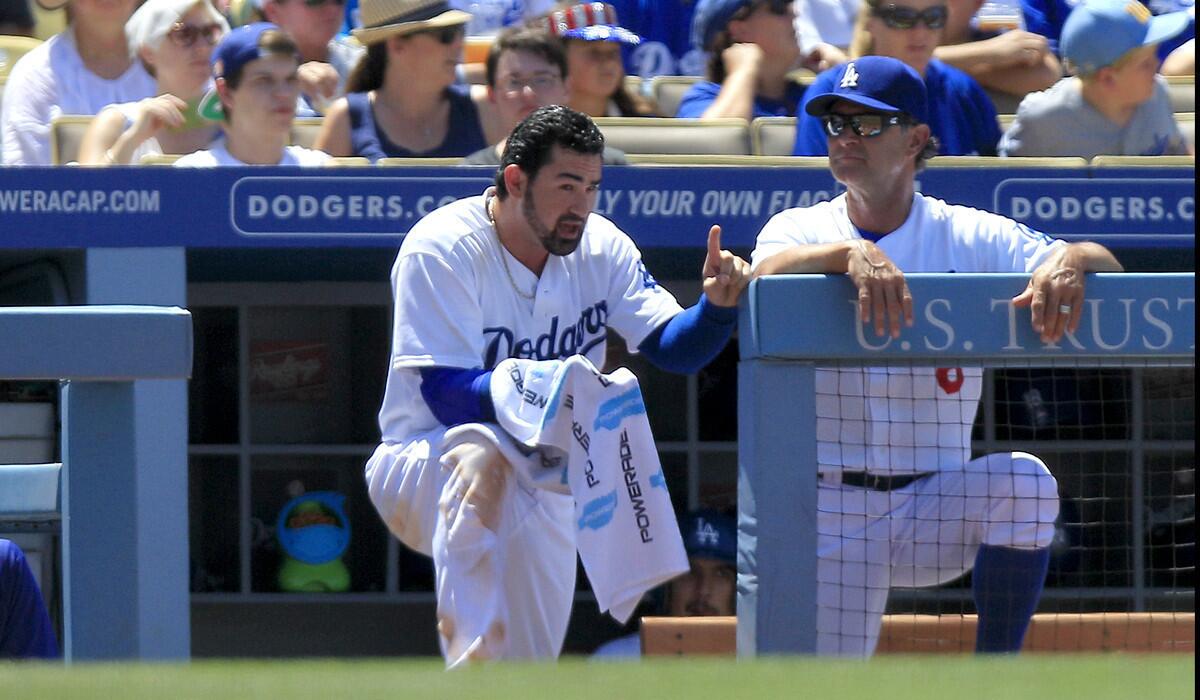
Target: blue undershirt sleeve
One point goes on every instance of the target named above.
(456, 396)
(691, 339)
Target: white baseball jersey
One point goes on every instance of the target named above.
(458, 304)
(899, 419)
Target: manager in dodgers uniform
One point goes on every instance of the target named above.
(525, 270)
(900, 501)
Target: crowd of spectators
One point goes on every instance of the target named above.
(387, 77)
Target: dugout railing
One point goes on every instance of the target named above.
(792, 324)
(117, 496)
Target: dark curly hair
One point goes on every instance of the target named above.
(529, 145)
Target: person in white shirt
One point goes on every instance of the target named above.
(255, 88)
(174, 40)
(81, 70)
(900, 501)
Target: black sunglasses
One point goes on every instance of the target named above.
(865, 125)
(445, 35)
(186, 35)
(900, 17)
(319, 3)
(775, 7)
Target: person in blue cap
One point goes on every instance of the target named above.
(900, 501)
(25, 629)
(752, 47)
(255, 87)
(592, 42)
(1116, 104)
(707, 589)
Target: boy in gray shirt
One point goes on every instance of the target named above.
(1116, 104)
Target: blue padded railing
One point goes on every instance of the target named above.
(791, 323)
(123, 478)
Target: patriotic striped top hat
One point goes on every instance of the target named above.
(589, 21)
(385, 18)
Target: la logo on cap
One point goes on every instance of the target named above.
(706, 533)
(850, 79)
(1139, 11)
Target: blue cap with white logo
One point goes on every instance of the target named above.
(876, 82)
(707, 533)
(1098, 32)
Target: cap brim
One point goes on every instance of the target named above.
(370, 35)
(1164, 27)
(819, 105)
(603, 32)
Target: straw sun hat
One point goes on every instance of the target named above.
(386, 18)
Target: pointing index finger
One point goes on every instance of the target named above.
(714, 243)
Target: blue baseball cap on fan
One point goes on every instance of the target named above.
(711, 17)
(876, 82)
(1098, 32)
(707, 533)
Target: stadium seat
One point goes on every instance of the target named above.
(13, 48)
(66, 134)
(740, 161)
(305, 130)
(416, 162)
(1183, 92)
(347, 162)
(668, 90)
(998, 162)
(1144, 161)
(159, 159)
(1006, 120)
(1187, 124)
(773, 136)
(666, 135)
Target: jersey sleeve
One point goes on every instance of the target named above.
(1003, 245)
(781, 232)
(637, 303)
(437, 317)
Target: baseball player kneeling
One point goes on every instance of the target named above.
(524, 270)
(900, 501)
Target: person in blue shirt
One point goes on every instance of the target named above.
(752, 47)
(666, 30)
(961, 115)
(1046, 17)
(25, 630)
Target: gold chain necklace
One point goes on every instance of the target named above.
(503, 253)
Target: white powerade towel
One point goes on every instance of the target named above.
(592, 432)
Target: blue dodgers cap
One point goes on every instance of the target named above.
(876, 82)
(707, 533)
(239, 47)
(710, 18)
(1098, 32)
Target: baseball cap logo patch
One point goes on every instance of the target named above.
(1139, 11)
(850, 79)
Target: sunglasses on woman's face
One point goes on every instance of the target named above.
(900, 17)
(185, 35)
(865, 125)
(446, 35)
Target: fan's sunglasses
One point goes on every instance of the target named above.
(900, 17)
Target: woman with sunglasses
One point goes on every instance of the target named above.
(401, 100)
(81, 70)
(961, 115)
(173, 39)
(752, 47)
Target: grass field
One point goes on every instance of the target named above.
(1032, 677)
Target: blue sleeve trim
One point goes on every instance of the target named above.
(691, 339)
(456, 396)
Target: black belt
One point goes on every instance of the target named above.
(877, 482)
